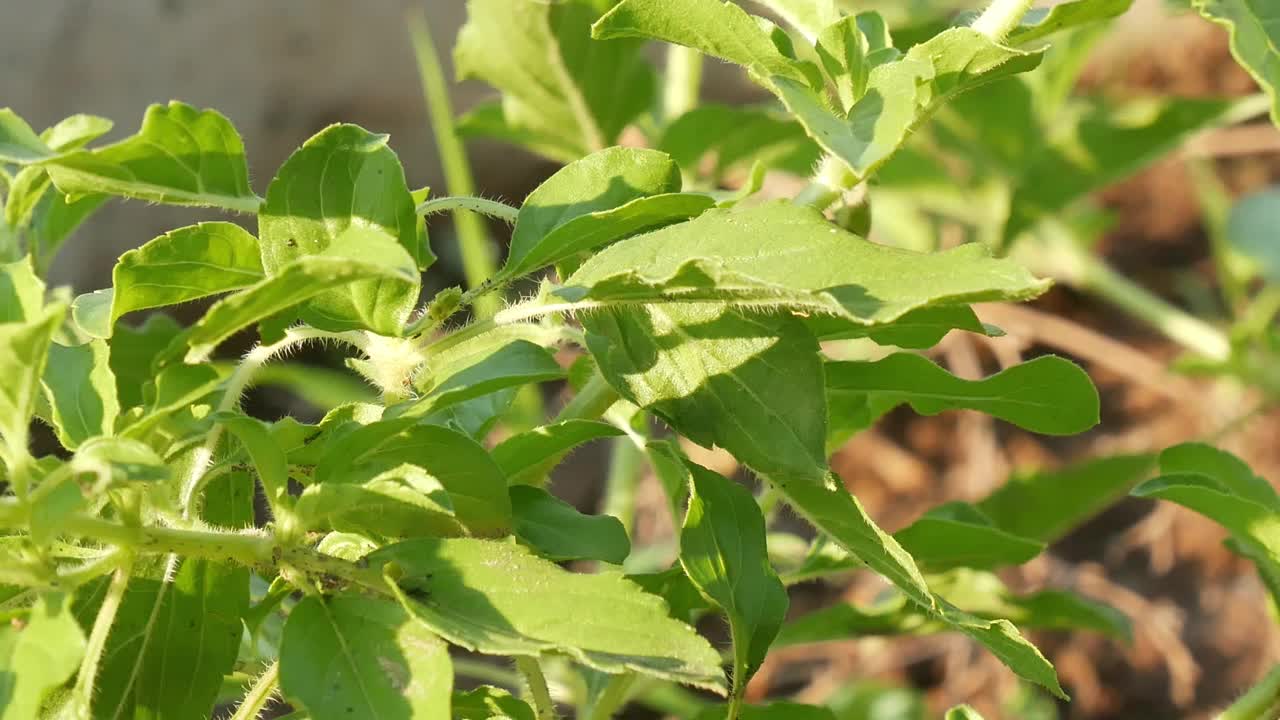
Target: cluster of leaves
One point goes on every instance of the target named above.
(174, 546)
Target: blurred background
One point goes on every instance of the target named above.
(284, 69)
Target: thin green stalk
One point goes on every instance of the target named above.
(625, 464)
(483, 206)
(613, 698)
(591, 402)
(80, 707)
(1061, 257)
(537, 684)
(1261, 702)
(478, 262)
(682, 83)
(263, 690)
(1001, 17)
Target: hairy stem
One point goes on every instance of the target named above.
(537, 683)
(80, 707)
(591, 402)
(1001, 17)
(626, 462)
(832, 180)
(478, 261)
(263, 690)
(483, 206)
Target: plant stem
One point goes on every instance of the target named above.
(1001, 17)
(483, 206)
(832, 180)
(682, 82)
(591, 402)
(1259, 703)
(81, 703)
(1061, 257)
(612, 698)
(255, 701)
(537, 682)
(625, 464)
(477, 255)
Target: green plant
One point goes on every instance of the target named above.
(140, 581)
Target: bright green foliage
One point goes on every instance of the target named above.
(563, 95)
(722, 550)
(557, 531)
(783, 255)
(1255, 40)
(185, 264)
(39, 657)
(962, 712)
(417, 514)
(1047, 395)
(180, 156)
(351, 656)
(498, 598)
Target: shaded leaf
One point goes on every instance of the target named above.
(81, 391)
(1042, 22)
(1047, 395)
(519, 362)
(353, 656)
(24, 349)
(722, 550)
(132, 352)
(343, 195)
(782, 255)
(21, 292)
(180, 156)
(917, 329)
(525, 458)
(401, 502)
(1046, 505)
(733, 137)
(563, 94)
(490, 703)
(958, 535)
(18, 142)
(185, 264)
(557, 531)
(497, 598)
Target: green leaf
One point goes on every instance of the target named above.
(454, 358)
(267, 456)
(180, 156)
(21, 292)
(91, 313)
(352, 656)
(901, 95)
(962, 712)
(1046, 505)
(81, 391)
(185, 264)
(1046, 395)
(772, 711)
(517, 363)
(24, 349)
(958, 535)
(172, 643)
(1251, 231)
(917, 329)
(526, 458)
(116, 461)
(402, 502)
(567, 94)
(18, 142)
(557, 531)
(1107, 144)
(843, 49)
(807, 16)
(836, 512)
(134, 349)
(594, 201)
(750, 383)
(1040, 23)
(722, 550)
(39, 657)
(1224, 490)
(296, 283)
(490, 703)
(497, 598)
(76, 131)
(323, 388)
(44, 215)
(783, 255)
(342, 192)
(719, 29)
(476, 486)
(1255, 40)
(731, 137)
